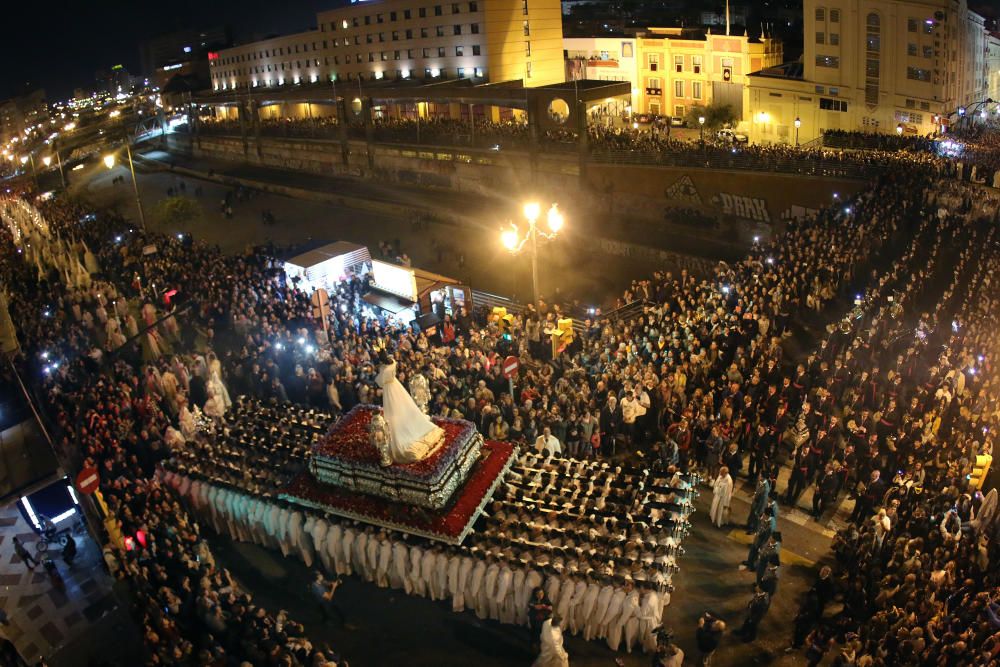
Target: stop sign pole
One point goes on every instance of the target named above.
(510, 366)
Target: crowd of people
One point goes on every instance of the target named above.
(842, 153)
(138, 354)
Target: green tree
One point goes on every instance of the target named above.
(174, 212)
(716, 116)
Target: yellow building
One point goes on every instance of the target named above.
(679, 68)
(484, 40)
(877, 66)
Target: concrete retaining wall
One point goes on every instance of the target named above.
(729, 206)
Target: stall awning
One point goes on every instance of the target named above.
(428, 281)
(351, 252)
(388, 302)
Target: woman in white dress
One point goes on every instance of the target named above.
(412, 435)
(553, 654)
(722, 496)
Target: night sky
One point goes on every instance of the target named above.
(65, 41)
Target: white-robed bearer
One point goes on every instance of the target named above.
(722, 496)
(650, 617)
(552, 654)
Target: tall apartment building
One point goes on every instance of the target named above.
(485, 40)
(674, 69)
(20, 113)
(874, 65)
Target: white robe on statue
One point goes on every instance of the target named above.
(413, 436)
(722, 495)
(552, 654)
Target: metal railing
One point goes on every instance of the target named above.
(740, 160)
(708, 157)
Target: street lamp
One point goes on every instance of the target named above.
(899, 129)
(701, 124)
(47, 161)
(109, 162)
(514, 242)
(798, 124)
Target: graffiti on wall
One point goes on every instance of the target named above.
(683, 191)
(749, 208)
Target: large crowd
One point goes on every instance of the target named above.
(892, 407)
(841, 153)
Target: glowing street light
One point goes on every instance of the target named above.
(701, 124)
(109, 161)
(24, 159)
(511, 238)
(798, 124)
(47, 160)
(899, 129)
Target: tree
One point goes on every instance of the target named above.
(174, 212)
(716, 116)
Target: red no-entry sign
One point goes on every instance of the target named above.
(88, 480)
(510, 366)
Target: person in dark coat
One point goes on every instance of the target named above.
(756, 610)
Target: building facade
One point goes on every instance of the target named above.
(993, 66)
(673, 69)
(485, 40)
(22, 113)
(876, 66)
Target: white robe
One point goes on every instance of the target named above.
(488, 594)
(462, 583)
(400, 566)
(454, 563)
(371, 558)
(319, 533)
(572, 617)
(626, 626)
(593, 625)
(611, 614)
(552, 654)
(306, 547)
(472, 595)
(722, 495)
(505, 595)
(417, 584)
(384, 563)
(427, 564)
(650, 617)
(563, 605)
(441, 575)
(346, 548)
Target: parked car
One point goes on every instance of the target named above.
(731, 136)
(677, 121)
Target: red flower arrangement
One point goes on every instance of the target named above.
(450, 524)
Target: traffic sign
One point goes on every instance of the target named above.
(510, 366)
(88, 480)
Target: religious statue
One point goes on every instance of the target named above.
(412, 435)
(420, 392)
(379, 436)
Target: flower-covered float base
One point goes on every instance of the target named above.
(450, 524)
(345, 458)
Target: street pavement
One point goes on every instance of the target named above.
(385, 627)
